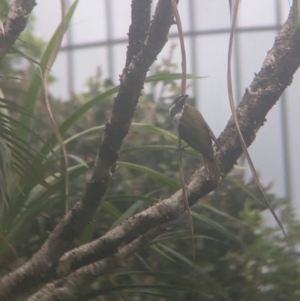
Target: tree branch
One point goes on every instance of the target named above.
(276, 74)
(14, 24)
(76, 283)
(138, 30)
(41, 265)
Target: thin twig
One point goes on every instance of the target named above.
(55, 127)
(183, 89)
(186, 199)
(233, 110)
(182, 47)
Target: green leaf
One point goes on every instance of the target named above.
(205, 286)
(174, 278)
(70, 121)
(180, 257)
(151, 173)
(78, 160)
(36, 201)
(37, 81)
(143, 262)
(129, 212)
(238, 183)
(52, 141)
(221, 229)
(178, 235)
(6, 170)
(110, 208)
(208, 206)
(89, 131)
(150, 148)
(163, 254)
(126, 151)
(148, 127)
(156, 130)
(138, 289)
(170, 76)
(131, 198)
(139, 201)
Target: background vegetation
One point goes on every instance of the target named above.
(238, 256)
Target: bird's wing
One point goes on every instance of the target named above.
(213, 137)
(195, 132)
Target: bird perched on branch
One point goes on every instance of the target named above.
(193, 129)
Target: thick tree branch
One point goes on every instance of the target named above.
(76, 283)
(41, 267)
(276, 74)
(14, 24)
(138, 30)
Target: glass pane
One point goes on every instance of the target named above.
(211, 14)
(88, 24)
(86, 64)
(121, 18)
(59, 88)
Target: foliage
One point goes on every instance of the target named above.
(237, 257)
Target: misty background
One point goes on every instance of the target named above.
(97, 39)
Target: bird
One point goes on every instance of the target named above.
(193, 129)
